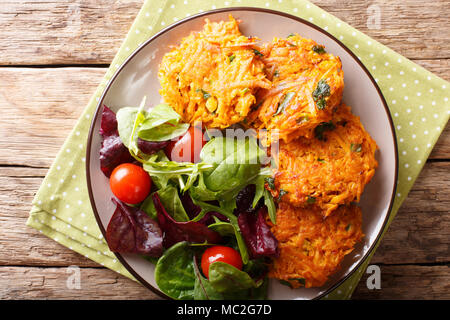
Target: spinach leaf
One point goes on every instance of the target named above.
(226, 278)
(162, 132)
(287, 98)
(203, 290)
(235, 163)
(160, 123)
(174, 272)
(125, 123)
(223, 228)
(171, 202)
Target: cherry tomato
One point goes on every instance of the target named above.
(220, 253)
(130, 183)
(187, 147)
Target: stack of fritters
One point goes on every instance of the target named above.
(328, 170)
(290, 89)
(307, 84)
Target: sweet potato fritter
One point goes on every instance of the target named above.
(311, 247)
(330, 169)
(307, 83)
(212, 75)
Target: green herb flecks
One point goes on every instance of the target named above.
(291, 35)
(321, 160)
(276, 74)
(322, 128)
(258, 53)
(310, 200)
(206, 95)
(287, 98)
(348, 227)
(287, 283)
(281, 194)
(319, 49)
(270, 182)
(356, 147)
(299, 280)
(231, 58)
(322, 90)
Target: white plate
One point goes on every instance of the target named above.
(137, 77)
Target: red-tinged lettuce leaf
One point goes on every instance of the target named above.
(190, 231)
(191, 209)
(194, 210)
(151, 147)
(244, 200)
(113, 152)
(131, 230)
(208, 218)
(108, 124)
(259, 239)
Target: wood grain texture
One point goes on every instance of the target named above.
(414, 30)
(430, 282)
(63, 31)
(51, 283)
(48, 101)
(82, 32)
(408, 282)
(414, 255)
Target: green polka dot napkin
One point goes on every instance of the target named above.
(418, 101)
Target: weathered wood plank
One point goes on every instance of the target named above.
(440, 67)
(423, 41)
(40, 107)
(63, 31)
(21, 245)
(419, 234)
(430, 282)
(85, 32)
(54, 283)
(408, 283)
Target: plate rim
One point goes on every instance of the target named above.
(221, 10)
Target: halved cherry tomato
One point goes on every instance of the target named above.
(130, 183)
(220, 253)
(187, 148)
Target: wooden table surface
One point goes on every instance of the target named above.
(53, 54)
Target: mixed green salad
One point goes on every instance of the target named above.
(194, 203)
